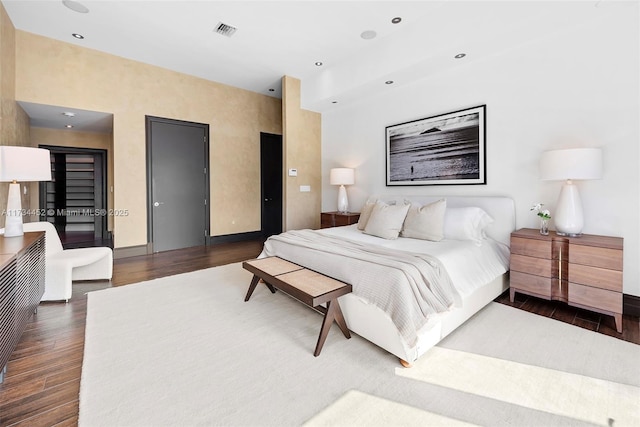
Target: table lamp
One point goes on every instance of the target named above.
(342, 177)
(569, 165)
(21, 164)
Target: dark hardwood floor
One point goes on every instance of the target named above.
(42, 382)
(43, 378)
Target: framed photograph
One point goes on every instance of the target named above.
(440, 150)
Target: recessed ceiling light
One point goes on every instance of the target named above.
(389, 82)
(75, 6)
(460, 55)
(69, 126)
(368, 35)
(69, 114)
(78, 36)
(318, 64)
(396, 20)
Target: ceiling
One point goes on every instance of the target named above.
(277, 38)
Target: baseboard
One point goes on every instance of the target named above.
(233, 238)
(130, 251)
(631, 305)
(147, 249)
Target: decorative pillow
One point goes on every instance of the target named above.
(466, 224)
(425, 222)
(386, 220)
(365, 213)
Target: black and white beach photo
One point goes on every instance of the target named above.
(444, 149)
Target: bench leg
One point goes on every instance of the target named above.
(252, 287)
(341, 322)
(333, 313)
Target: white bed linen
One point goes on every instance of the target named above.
(469, 266)
(484, 269)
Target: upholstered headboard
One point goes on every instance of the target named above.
(501, 209)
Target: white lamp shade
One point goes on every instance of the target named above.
(21, 164)
(574, 164)
(342, 176)
(24, 164)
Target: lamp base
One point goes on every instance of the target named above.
(560, 233)
(569, 219)
(343, 202)
(13, 219)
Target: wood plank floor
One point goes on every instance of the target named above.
(43, 378)
(42, 382)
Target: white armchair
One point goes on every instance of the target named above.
(65, 265)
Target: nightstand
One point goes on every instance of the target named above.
(583, 271)
(337, 219)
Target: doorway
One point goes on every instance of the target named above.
(75, 200)
(271, 183)
(177, 183)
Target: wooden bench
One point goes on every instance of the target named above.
(307, 286)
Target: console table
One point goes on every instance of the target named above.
(22, 270)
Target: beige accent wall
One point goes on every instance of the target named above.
(14, 123)
(302, 147)
(56, 73)
(75, 139)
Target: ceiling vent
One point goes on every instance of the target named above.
(225, 30)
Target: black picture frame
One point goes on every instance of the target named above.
(447, 149)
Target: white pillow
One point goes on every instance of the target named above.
(466, 224)
(365, 213)
(425, 222)
(386, 220)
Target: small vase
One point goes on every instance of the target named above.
(544, 227)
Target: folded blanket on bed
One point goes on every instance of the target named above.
(409, 287)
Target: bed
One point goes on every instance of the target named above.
(462, 272)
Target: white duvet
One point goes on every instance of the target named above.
(409, 304)
(469, 266)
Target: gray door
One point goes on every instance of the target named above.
(177, 156)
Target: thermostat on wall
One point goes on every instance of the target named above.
(293, 172)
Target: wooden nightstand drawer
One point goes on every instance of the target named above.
(598, 299)
(531, 284)
(536, 266)
(327, 221)
(585, 271)
(346, 219)
(596, 257)
(532, 248)
(596, 277)
(338, 219)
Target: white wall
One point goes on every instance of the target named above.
(577, 87)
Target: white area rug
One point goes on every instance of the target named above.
(187, 350)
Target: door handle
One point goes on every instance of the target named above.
(156, 204)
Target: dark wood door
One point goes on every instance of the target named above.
(75, 200)
(271, 183)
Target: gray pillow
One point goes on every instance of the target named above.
(425, 222)
(365, 213)
(386, 220)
